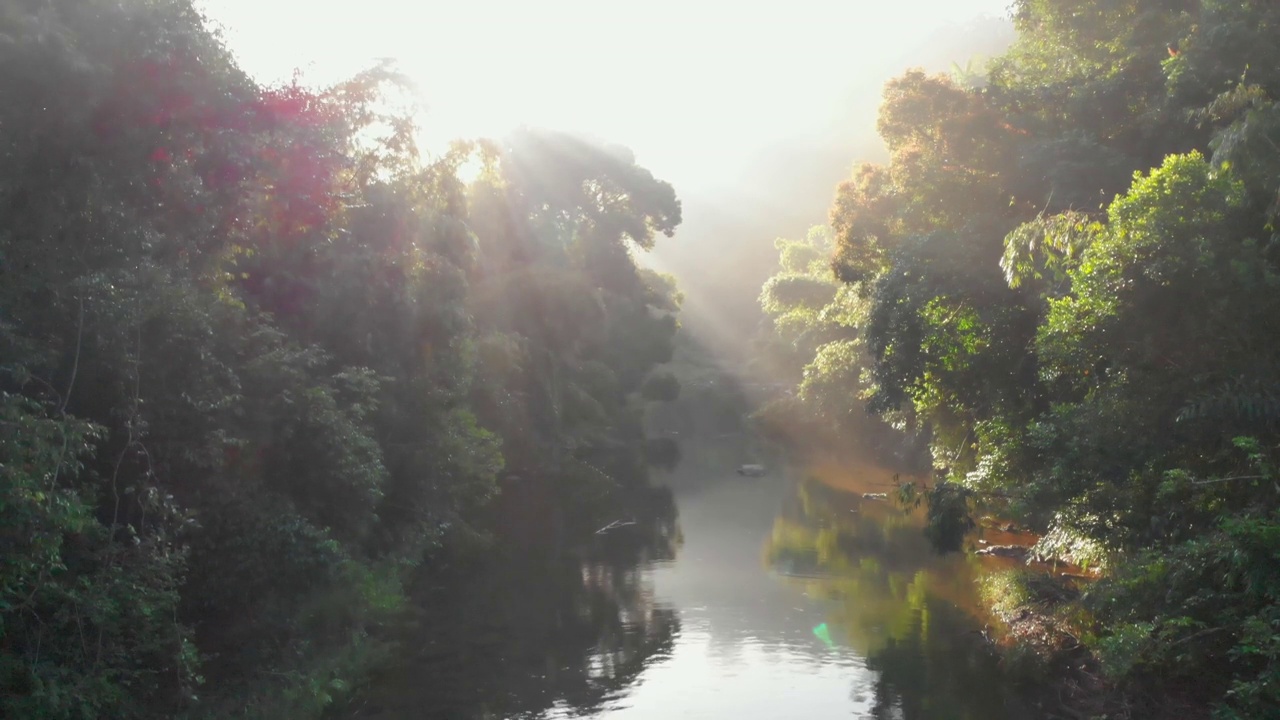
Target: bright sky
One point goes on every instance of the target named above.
(693, 86)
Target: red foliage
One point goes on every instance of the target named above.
(272, 162)
(276, 155)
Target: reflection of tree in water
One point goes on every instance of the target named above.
(934, 669)
(655, 535)
(527, 628)
(909, 611)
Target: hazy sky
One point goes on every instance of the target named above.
(695, 87)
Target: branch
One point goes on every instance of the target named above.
(1272, 143)
(62, 409)
(1226, 479)
(1195, 635)
(614, 525)
(75, 362)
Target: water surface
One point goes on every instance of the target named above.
(774, 597)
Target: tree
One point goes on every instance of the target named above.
(1084, 341)
(250, 377)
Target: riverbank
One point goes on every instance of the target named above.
(1048, 645)
(1034, 614)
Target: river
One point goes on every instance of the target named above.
(784, 596)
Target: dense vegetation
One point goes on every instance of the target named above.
(260, 360)
(1065, 282)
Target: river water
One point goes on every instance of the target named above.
(784, 596)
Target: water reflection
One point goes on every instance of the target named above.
(770, 599)
(535, 631)
(909, 611)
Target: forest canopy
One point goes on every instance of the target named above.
(1063, 286)
(261, 360)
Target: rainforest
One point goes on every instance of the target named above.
(301, 417)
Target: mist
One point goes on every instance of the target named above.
(724, 249)
(754, 117)
(634, 361)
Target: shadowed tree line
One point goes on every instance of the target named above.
(260, 360)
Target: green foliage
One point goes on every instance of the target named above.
(1063, 542)
(665, 295)
(948, 518)
(817, 345)
(1045, 249)
(324, 455)
(832, 380)
(799, 258)
(784, 293)
(86, 618)
(1202, 611)
(1066, 282)
(1006, 592)
(259, 358)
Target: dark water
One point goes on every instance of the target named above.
(774, 597)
